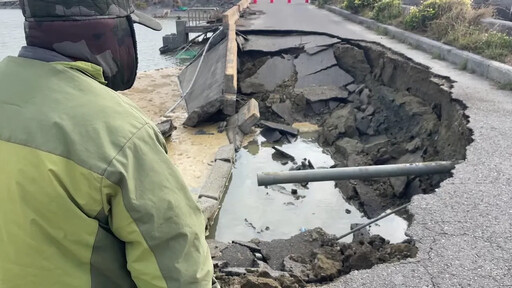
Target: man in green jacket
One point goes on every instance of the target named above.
(88, 196)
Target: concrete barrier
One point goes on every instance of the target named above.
(473, 63)
(216, 183)
(229, 19)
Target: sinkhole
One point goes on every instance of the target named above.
(371, 106)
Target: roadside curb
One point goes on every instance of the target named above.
(215, 185)
(472, 63)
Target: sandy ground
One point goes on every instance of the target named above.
(192, 150)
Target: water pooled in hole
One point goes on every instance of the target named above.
(249, 211)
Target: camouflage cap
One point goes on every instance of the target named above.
(62, 10)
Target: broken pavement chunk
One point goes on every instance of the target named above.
(274, 72)
(284, 110)
(271, 135)
(280, 127)
(283, 153)
(307, 64)
(242, 122)
(332, 76)
(320, 93)
(166, 128)
(352, 60)
(248, 116)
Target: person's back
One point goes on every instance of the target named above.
(88, 196)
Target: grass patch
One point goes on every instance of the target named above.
(454, 22)
(387, 10)
(436, 55)
(505, 86)
(464, 65)
(381, 31)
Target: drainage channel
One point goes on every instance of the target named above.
(276, 212)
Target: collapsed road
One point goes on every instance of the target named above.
(374, 106)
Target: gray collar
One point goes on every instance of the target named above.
(41, 54)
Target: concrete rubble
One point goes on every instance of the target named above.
(309, 257)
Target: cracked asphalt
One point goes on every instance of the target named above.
(464, 230)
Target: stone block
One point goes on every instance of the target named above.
(209, 208)
(248, 116)
(226, 153)
(217, 181)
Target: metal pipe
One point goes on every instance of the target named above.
(352, 173)
(371, 222)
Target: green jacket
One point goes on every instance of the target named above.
(88, 196)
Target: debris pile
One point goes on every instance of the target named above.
(309, 257)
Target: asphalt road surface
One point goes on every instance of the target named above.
(464, 230)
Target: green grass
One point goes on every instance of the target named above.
(505, 86)
(437, 55)
(464, 65)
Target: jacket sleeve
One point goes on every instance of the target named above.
(152, 211)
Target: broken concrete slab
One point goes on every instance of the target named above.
(206, 96)
(284, 153)
(398, 184)
(216, 247)
(333, 76)
(275, 43)
(352, 87)
(316, 49)
(217, 181)
(333, 104)
(307, 64)
(319, 107)
(274, 72)
(166, 128)
(271, 135)
(248, 116)
(352, 60)
(253, 247)
(226, 153)
(237, 256)
(364, 96)
(320, 93)
(209, 208)
(284, 110)
(302, 244)
(280, 127)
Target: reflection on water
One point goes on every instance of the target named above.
(269, 213)
(148, 41)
